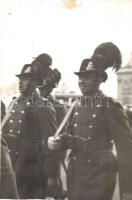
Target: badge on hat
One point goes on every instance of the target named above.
(90, 66)
(26, 70)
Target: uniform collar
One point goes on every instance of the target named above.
(95, 100)
(30, 97)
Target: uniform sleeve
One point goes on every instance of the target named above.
(8, 187)
(3, 109)
(129, 114)
(122, 135)
(48, 126)
(47, 122)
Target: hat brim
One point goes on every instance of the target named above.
(84, 72)
(24, 74)
(93, 70)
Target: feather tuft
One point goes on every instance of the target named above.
(107, 55)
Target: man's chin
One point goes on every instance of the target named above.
(20, 90)
(86, 93)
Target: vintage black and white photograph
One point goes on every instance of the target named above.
(66, 99)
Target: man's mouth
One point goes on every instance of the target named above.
(20, 88)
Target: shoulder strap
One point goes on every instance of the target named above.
(65, 119)
(6, 117)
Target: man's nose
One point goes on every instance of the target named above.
(20, 81)
(80, 80)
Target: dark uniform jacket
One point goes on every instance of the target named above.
(8, 187)
(31, 122)
(60, 110)
(129, 114)
(95, 124)
(3, 110)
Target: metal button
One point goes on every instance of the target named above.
(75, 125)
(22, 111)
(89, 138)
(28, 103)
(89, 161)
(11, 130)
(94, 115)
(11, 121)
(76, 113)
(90, 126)
(20, 121)
(74, 158)
(16, 102)
(9, 150)
(98, 106)
(18, 131)
(13, 111)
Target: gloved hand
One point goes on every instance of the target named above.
(54, 143)
(63, 142)
(67, 141)
(76, 143)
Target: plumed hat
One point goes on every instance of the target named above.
(88, 66)
(52, 78)
(107, 55)
(43, 63)
(29, 70)
(43, 59)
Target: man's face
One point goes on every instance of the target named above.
(87, 83)
(45, 91)
(24, 83)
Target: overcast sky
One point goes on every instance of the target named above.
(31, 27)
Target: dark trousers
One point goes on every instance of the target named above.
(90, 182)
(31, 188)
(8, 188)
